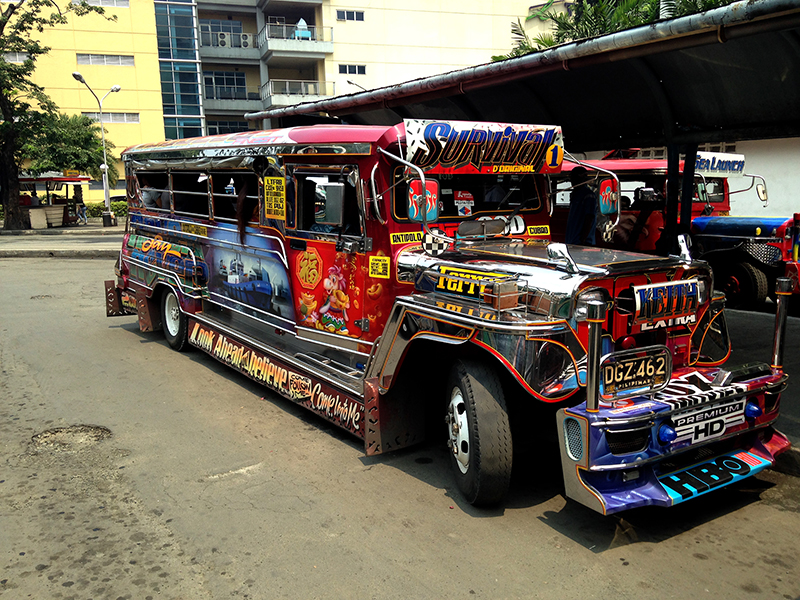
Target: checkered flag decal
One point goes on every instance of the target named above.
(433, 245)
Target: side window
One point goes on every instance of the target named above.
(235, 194)
(312, 203)
(155, 189)
(190, 192)
(627, 192)
(715, 188)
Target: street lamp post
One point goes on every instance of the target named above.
(104, 166)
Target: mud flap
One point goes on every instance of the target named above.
(393, 421)
(149, 312)
(113, 299)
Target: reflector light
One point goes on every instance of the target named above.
(752, 410)
(628, 343)
(666, 434)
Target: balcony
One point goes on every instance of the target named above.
(285, 92)
(219, 46)
(229, 99)
(289, 43)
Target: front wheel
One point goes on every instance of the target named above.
(173, 321)
(745, 286)
(479, 435)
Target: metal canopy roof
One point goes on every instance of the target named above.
(725, 75)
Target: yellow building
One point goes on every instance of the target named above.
(108, 53)
(194, 67)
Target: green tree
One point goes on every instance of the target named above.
(70, 142)
(592, 18)
(24, 106)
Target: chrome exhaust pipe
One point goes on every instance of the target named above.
(596, 313)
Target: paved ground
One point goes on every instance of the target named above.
(130, 471)
(73, 241)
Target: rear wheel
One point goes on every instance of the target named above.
(745, 286)
(173, 321)
(479, 435)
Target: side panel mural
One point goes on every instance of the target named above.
(328, 285)
(315, 395)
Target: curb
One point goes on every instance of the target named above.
(84, 254)
(101, 231)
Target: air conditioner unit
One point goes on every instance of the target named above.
(223, 38)
(247, 40)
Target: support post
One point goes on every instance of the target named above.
(667, 243)
(687, 191)
(783, 289)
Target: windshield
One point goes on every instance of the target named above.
(631, 182)
(463, 196)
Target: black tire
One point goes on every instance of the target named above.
(174, 322)
(481, 460)
(745, 286)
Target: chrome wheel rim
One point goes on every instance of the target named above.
(172, 314)
(458, 429)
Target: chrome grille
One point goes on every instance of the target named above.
(762, 252)
(573, 439)
(628, 440)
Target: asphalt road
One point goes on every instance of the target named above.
(177, 478)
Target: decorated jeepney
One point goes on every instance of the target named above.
(390, 278)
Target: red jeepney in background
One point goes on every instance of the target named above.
(747, 254)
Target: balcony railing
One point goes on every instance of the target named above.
(224, 92)
(288, 87)
(311, 33)
(222, 39)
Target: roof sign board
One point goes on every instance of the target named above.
(483, 147)
(719, 165)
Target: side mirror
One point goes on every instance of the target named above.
(423, 205)
(644, 195)
(333, 213)
(702, 193)
(609, 196)
(761, 190)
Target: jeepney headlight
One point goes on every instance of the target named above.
(582, 303)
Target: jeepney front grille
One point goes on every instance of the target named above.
(763, 252)
(573, 439)
(627, 441)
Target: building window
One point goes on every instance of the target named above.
(661, 152)
(16, 57)
(180, 88)
(117, 60)
(175, 31)
(176, 128)
(349, 15)
(353, 69)
(113, 117)
(224, 85)
(221, 127)
(117, 3)
(214, 32)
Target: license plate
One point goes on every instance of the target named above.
(634, 372)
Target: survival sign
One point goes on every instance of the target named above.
(480, 147)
